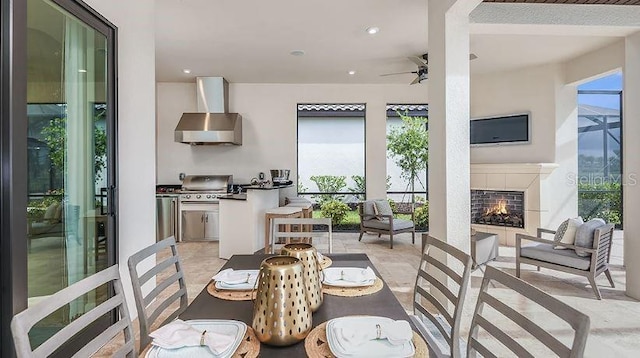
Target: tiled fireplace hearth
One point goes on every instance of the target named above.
(507, 199)
(498, 208)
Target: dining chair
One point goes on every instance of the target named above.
(167, 273)
(24, 321)
(503, 331)
(323, 229)
(441, 330)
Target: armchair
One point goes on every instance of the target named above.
(381, 220)
(543, 254)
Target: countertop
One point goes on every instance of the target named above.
(265, 187)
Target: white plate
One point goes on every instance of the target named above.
(378, 348)
(223, 326)
(343, 283)
(221, 285)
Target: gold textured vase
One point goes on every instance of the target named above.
(281, 313)
(311, 268)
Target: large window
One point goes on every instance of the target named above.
(600, 149)
(331, 158)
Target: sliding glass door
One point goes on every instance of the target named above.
(70, 136)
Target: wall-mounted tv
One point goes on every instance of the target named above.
(511, 129)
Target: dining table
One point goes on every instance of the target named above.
(382, 303)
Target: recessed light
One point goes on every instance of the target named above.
(372, 30)
(82, 71)
(352, 72)
(186, 71)
(297, 53)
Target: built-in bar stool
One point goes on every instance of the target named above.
(307, 213)
(280, 212)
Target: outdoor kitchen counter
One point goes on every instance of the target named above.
(242, 219)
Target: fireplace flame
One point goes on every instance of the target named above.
(500, 208)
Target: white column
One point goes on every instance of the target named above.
(449, 163)
(631, 165)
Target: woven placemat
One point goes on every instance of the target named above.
(250, 346)
(230, 295)
(326, 262)
(353, 291)
(317, 347)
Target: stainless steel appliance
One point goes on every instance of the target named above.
(167, 211)
(199, 206)
(166, 216)
(212, 124)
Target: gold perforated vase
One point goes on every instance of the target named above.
(281, 313)
(311, 268)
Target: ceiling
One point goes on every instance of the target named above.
(253, 44)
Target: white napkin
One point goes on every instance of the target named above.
(353, 333)
(231, 277)
(178, 334)
(334, 274)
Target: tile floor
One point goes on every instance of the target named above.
(615, 323)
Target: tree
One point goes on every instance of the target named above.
(55, 135)
(409, 147)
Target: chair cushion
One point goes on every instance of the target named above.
(546, 253)
(398, 224)
(435, 340)
(584, 235)
(566, 232)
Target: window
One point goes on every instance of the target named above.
(400, 189)
(331, 157)
(599, 149)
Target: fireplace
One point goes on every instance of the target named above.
(499, 208)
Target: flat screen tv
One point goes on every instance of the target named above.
(511, 129)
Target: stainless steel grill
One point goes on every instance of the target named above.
(199, 206)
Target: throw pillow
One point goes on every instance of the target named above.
(566, 232)
(50, 213)
(584, 235)
(382, 207)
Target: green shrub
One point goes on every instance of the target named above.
(335, 210)
(329, 184)
(422, 215)
(601, 200)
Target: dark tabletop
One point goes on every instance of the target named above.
(381, 303)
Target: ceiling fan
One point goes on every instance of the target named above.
(422, 73)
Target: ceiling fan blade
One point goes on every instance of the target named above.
(418, 61)
(415, 81)
(472, 56)
(397, 73)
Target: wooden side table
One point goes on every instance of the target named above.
(281, 212)
(484, 248)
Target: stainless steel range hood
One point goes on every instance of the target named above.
(212, 124)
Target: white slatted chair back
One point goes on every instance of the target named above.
(577, 321)
(151, 306)
(440, 326)
(24, 321)
(324, 231)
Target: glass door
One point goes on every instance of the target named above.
(69, 159)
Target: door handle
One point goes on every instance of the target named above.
(206, 218)
(202, 218)
(111, 200)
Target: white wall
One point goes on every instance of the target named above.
(136, 125)
(269, 128)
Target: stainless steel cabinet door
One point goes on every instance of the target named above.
(193, 225)
(212, 225)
